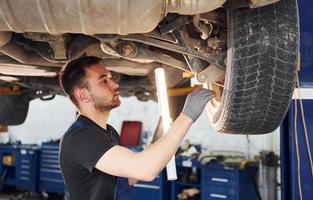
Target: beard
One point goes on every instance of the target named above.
(103, 104)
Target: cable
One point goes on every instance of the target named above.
(297, 149)
(308, 147)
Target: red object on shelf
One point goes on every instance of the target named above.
(130, 133)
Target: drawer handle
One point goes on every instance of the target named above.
(23, 178)
(224, 180)
(220, 196)
(147, 186)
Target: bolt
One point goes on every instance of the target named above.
(202, 77)
(128, 49)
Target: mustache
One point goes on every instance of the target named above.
(116, 91)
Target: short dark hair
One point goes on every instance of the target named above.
(73, 75)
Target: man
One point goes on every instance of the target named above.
(90, 157)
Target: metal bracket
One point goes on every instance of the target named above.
(177, 27)
(136, 52)
(210, 74)
(213, 59)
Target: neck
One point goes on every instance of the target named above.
(99, 118)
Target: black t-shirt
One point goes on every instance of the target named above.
(80, 149)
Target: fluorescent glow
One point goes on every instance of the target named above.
(303, 93)
(165, 114)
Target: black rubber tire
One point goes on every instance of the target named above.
(263, 47)
(13, 109)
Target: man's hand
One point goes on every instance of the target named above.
(196, 101)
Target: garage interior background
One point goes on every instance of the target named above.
(48, 120)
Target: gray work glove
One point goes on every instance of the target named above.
(196, 101)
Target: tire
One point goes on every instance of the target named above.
(263, 47)
(13, 109)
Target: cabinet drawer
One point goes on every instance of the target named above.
(213, 192)
(217, 196)
(146, 193)
(50, 152)
(220, 173)
(219, 181)
(51, 174)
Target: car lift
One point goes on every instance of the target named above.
(297, 128)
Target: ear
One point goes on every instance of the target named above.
(82, 95)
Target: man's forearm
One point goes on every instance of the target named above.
(147, 164)
(159, 154)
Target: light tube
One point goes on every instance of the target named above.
(165, 114)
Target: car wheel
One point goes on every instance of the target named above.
(13, 109)
(263, 47)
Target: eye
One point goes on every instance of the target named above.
(104, 80)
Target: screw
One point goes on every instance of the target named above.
(202, 77)
(128, 49)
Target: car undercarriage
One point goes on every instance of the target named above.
(245, 51)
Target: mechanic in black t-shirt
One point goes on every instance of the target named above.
(90, 155)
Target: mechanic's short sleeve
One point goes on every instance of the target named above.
(90, 145)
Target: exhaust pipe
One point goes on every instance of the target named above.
(17, 52)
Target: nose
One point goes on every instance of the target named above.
(114, 85)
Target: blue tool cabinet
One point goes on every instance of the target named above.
(23, 172)
(228, 183)
(217, 182)
(51, 179)
(27, 167)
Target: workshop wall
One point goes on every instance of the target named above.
(48, 120)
